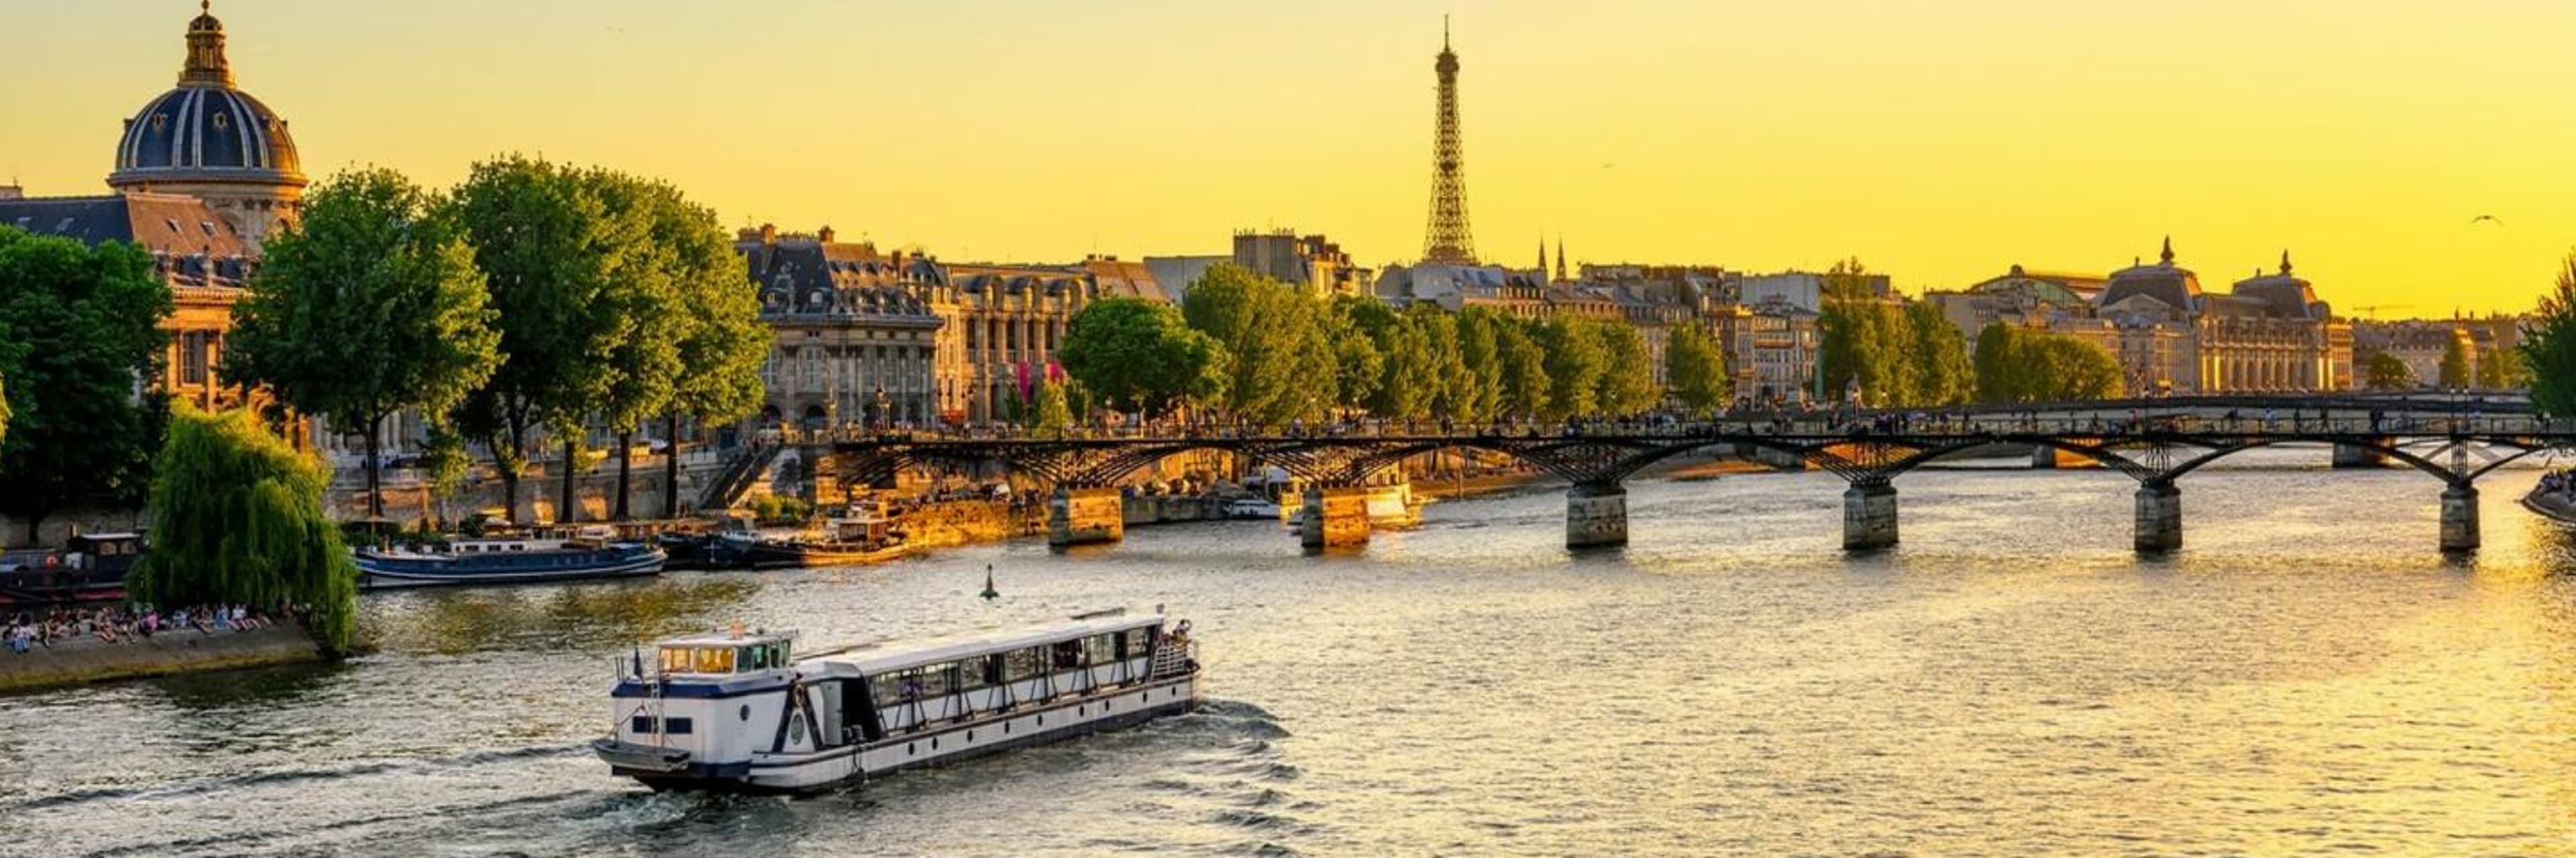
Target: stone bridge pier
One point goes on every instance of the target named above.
(1596, 515)
(1869, 515)
(2460, 517)
(1334, 517)
(1085, 516)
(2159, 517)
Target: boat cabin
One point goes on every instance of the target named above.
(724, 655)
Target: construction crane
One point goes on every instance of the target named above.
(2371, 311)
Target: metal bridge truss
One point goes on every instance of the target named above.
(2153, 458)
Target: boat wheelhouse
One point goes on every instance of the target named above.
(741, 712)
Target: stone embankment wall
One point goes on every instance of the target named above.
(88, 660)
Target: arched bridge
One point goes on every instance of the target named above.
(2454, 447)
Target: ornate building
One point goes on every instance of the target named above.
(2270, 334)
(870, 338)
(210, 140)
(852, 339)
(203, 172)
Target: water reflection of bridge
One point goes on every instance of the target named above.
(2155, 442)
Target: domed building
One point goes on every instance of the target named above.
(208, 139)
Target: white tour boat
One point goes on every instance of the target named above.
(743, 712)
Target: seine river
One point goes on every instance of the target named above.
(2309, 675)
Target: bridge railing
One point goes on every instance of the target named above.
(1916, 424)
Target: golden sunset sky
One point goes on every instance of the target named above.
(1939, 141)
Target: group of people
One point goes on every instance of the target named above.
(2561, 484)
(28, 630)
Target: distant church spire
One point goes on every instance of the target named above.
(2167, 256)
(1560, 256)
(2285, 263)
(1542, 254)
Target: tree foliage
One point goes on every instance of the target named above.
(1696, 367)
(2500, 369)
(2454, 369)
(2549, 346)
(1525, 390)
(1480, 348)
(236, 516)
(79, 332)
(1139, 355)
(2022, 365)
(1627, 385)
(1574, 362)
(1273, 335)
(2384, 371)
(548, 250)
(370, 306)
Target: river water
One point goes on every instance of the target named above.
(2308, 675)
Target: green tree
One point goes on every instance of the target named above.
(369, 307)
(1627, 380)
(2454, 369)
(1140, 355)
(79, 328)
(541, 236)
(445, 464)
(722, 343)
(2075, 370)
(1999, 364)
(2499, 369)
(1575, 362)
(1048, 409)
(1943, 373)
(1453, 385)
(1480, 347)
(2384, 371)
(236, 516)
(2549, 346)
(1864, 339)
(1525, 388)
(1264, 325)
(1406, 379)
(1358, 368)
(1696, 366)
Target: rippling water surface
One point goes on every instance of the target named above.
(2309, 675)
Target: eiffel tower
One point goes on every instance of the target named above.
(1448, 241)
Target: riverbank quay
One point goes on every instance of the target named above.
(89, 660)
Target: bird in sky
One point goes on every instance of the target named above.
(2486, 219)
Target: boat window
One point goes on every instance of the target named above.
(886, 689)
(1104, 648)
(1139, 643)
(714, 660)
(937, 679)
(675, 659)
(677, 726)
(755, 658)
(1021, 664)
(975, 673)
(1068, 654)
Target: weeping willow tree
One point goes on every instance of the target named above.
(237, 517)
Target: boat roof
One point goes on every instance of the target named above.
(884, 656)
(726, 637)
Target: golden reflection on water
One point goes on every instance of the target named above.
(583, 616)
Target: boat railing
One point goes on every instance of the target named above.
(1174, 656)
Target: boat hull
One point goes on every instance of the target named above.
(383, 573)
(853, 765)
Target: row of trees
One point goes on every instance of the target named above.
(1890, 355)
(1242, 346)
(532, 296)
(2015, 364)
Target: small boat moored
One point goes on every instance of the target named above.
(506, 561)
(844, 541)
(732, 711)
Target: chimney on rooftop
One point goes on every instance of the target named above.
(825, 234)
